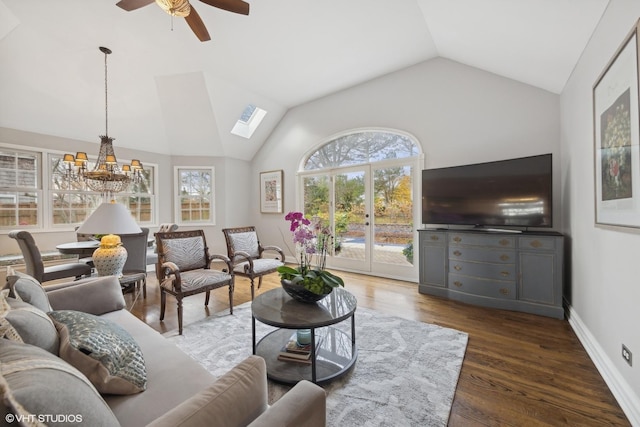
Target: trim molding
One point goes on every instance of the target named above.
(628, 401)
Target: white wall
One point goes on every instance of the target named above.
(458, 113)
(605, 292)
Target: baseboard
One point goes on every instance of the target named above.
(627, 399)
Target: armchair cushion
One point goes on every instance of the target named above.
(102, 350)
(245, 242)
(260, 266)
(196, 279)
(187, 252)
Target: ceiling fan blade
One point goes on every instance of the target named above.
(197, 26)
(130, 5)
(236, 6)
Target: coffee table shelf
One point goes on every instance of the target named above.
(336, 352)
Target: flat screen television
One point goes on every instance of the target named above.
(506, 193)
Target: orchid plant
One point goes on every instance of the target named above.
(312, 240)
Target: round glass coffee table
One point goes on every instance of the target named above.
(333, 349)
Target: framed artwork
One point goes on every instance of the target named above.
(616, 128)
(271, 191)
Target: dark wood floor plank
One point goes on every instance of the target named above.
(519, 369)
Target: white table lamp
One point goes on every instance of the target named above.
(110, 219)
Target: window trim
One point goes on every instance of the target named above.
(177, 211)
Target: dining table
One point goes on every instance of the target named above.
(83, 248)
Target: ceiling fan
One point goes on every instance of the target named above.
(184, 9)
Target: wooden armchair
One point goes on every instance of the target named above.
(185, 269)
(246, 254)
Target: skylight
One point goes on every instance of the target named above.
(249, 121)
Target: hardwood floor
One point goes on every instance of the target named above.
(519, 369)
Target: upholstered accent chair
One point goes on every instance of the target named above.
(152, 253)
(246, 254)
(185, 269)
(35, 265)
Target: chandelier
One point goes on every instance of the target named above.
(106, 177)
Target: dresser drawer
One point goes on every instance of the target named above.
(537, 243)
(433, 237)
(502, 289)
(469, 253)
(483, 270)
(492, 240)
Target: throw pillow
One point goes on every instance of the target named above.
(42, 387)
(102, 350)
(31, 324)
(29, 290)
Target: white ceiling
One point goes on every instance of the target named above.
(170, 93)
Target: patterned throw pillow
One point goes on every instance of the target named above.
(102, 350)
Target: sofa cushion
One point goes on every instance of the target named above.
(28, 289)
(33, 381)
(102, 350)
(31, 324)
(173, 376)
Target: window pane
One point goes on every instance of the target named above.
(360, 148)
(195, 198)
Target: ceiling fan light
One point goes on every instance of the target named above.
(179, 8)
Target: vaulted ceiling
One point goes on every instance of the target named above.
(170, 93)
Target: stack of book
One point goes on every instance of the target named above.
(293, 352)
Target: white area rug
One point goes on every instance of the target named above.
(406, 373)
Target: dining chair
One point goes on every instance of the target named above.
(246, 253)
(81, 237)
(35, 266)
(134, 271)
(185, 266)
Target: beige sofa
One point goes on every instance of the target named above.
(179, 391)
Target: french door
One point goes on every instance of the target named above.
(370, 210)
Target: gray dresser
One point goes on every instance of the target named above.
(521, 272)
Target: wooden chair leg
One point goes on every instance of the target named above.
(206, 298)
(144, 287)
(163, 303)
(252, 290)
(259, 282)
(179, 316)
(231, 298)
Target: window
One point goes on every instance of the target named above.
(19, 189)
(249, 121)
(194, 195)
(360, 148)
(71, 203)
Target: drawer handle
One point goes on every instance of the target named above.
(504, 257)
(504, 273)
(434, 238)
(504, 291)
(458, 284)
(536, 244)
(457, 267)
(457, 253)
(457, 239)
(504, 242)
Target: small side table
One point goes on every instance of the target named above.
(333, 350)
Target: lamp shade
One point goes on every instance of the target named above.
(110, 218)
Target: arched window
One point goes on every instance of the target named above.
(359, 148)
(361, 184)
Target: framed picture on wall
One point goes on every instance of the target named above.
(616, 138)
(271, 191)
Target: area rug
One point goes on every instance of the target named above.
(406, 373)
